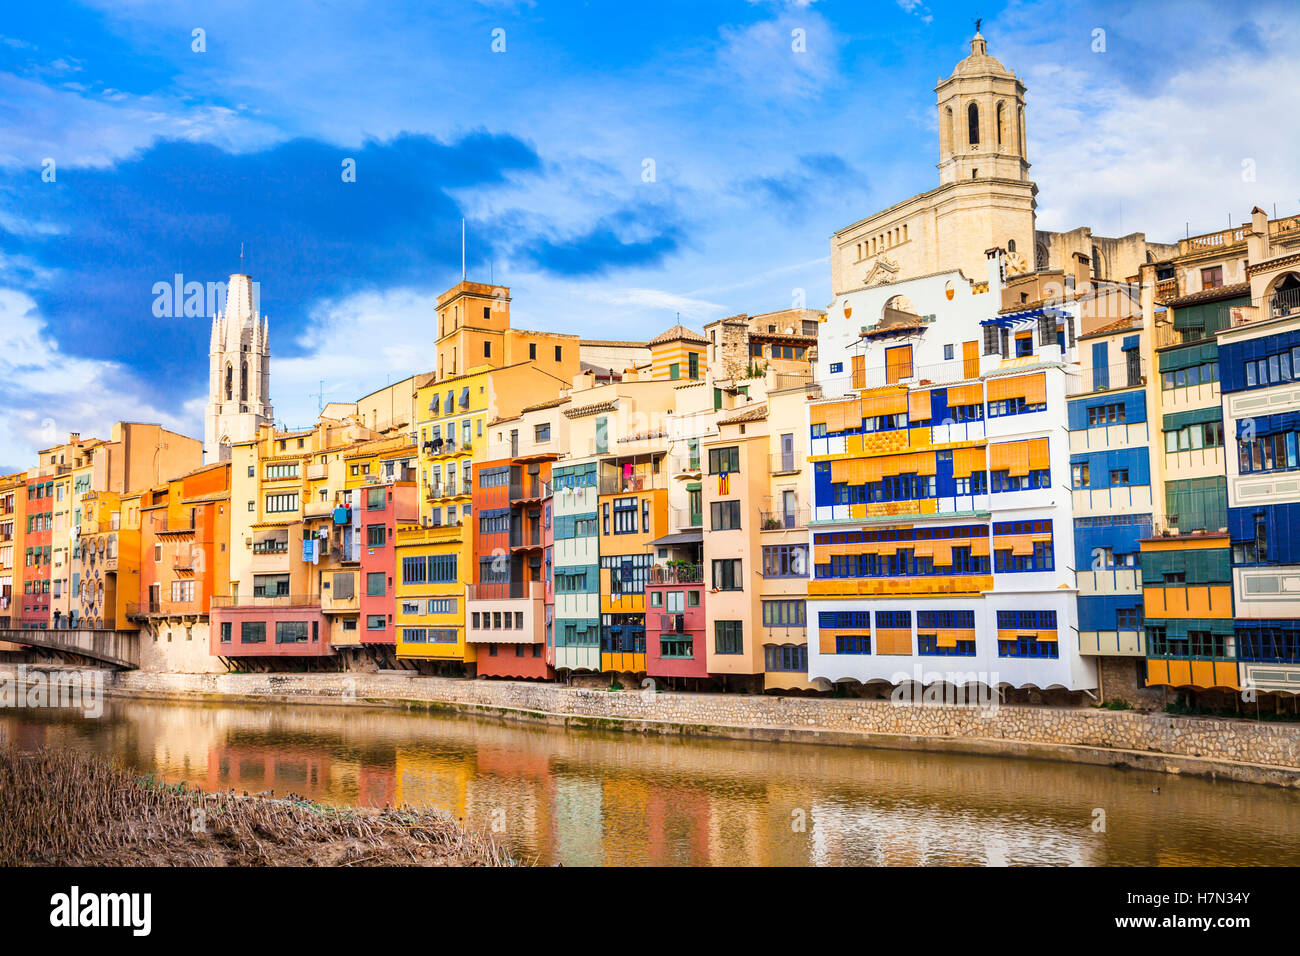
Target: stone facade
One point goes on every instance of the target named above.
(1215, 744)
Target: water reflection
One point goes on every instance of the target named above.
(588, 798)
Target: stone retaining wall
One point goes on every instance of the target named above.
(1275, 745)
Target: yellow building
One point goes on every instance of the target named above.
(435, 561)
(678, 353)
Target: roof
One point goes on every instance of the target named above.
(613, 343)
(679, 537)
(1211, 295)
(678, 332)
(549, 404)
(591, 409)
(756, 414)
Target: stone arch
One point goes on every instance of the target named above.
(973, 124)
(1001, 122)
(1283, 294)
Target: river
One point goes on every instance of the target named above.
(582, 798)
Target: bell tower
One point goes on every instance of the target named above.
(981, 120)
(239, 376)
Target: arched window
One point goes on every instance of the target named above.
(1002, 120)
(243, 382)
(949, 139)
(230, 377)
(1011, 245)
(973, 123)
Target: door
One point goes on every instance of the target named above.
(787, 452)
(970, 359)
(788, 507)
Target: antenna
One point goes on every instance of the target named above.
(241, 258)
(462, 249)
(320, 398)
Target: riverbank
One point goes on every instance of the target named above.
(69, 809)
(1217, 748)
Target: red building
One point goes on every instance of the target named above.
(37, 546)
(390, 503)
(505, 614)
(674, 613)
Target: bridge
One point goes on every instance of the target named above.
(119, 649)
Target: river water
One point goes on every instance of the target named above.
(589, 797)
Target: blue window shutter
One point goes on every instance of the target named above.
(1100, 368)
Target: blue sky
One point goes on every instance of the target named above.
(167, 159)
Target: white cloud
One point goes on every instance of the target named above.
(1123, 156)
(45, 393)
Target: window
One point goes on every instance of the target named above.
(1119, 476)
(279, 503)
(728, 637)
(724, 460)
(283, 470)
(376, 622)
(375, 583)
(625, 515)
(852, 644)
(291, 632)
(270, 585)
(542, 433)
(785, 657)
(559, 353)
(375, 535)
(837, 368)
(727, 575)
(693, 366)
(785, 561)
(1079, 475)
(1106, 415)
(784, 613)
(1128, 619)
(725, 515)
(252, 632)
(948, 352)
(1212, 278)
(226, 627)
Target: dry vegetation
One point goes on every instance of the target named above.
(66, 808)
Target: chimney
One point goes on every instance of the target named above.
(584, 380)
(996, 271)
(1082, 272)
(74, 437)
(631, 375)
(1257, 246)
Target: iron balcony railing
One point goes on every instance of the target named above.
(265, 600)
(785, 463)
(676, 574)
(620, 484)
(506, 591)
(783, 520)
(526, 537)
(528, 488)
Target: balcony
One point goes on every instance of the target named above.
(783, 520)
(526, 536)
(784, 463)
(529, 488)
(265, 600)
(677, 573)
(507, 591)
(627, 484)
(317, 509)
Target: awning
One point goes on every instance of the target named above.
(680, 537)
(464, 397)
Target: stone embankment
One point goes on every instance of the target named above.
(1253, 751)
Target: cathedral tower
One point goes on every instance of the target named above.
(239, 378)
(981, 120)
